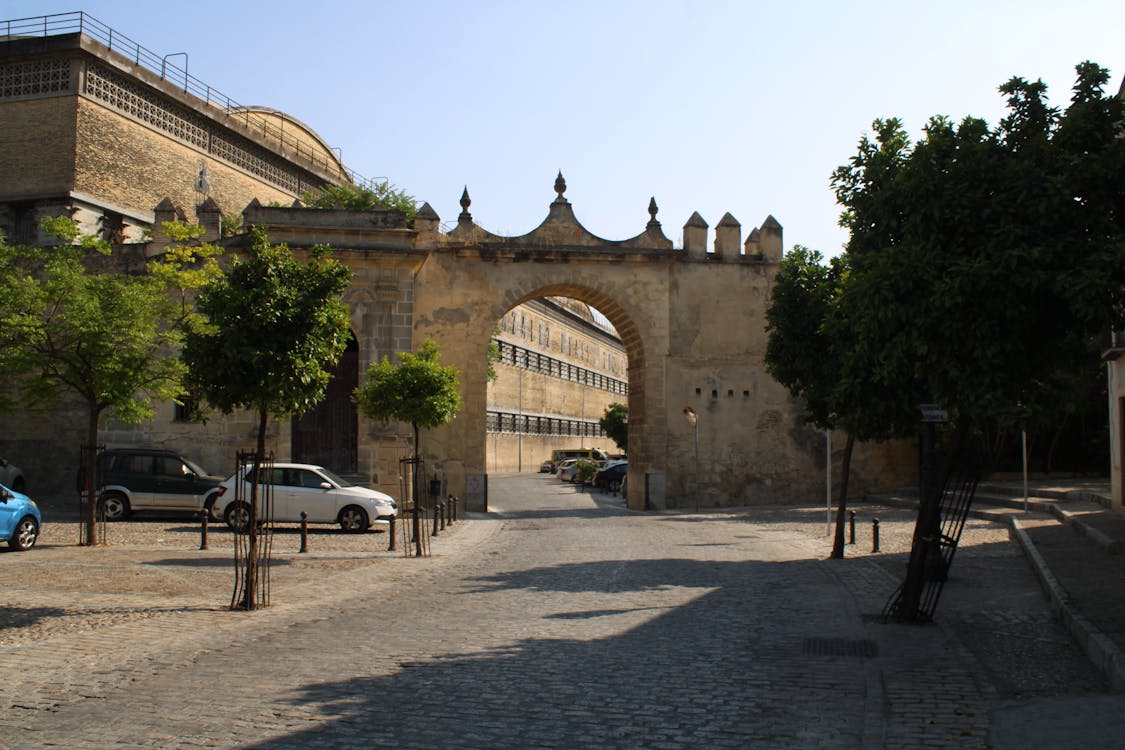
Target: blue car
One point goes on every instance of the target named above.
(19, 519)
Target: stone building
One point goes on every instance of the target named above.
(98, 127)
(689, 322)
(559, 369)
(95, 126)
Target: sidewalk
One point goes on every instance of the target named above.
(1075, 544)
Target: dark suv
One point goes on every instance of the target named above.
(132, 479)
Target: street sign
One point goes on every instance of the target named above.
(933, 413)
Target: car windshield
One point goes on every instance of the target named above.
(335, 479)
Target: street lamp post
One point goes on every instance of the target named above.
(693, 420)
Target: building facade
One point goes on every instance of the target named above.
(558, 372)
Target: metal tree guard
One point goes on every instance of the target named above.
(253, 545)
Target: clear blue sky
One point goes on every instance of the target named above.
(744, 107)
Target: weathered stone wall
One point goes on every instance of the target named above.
(37, 147)
(128, 164)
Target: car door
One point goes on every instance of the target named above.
(134, 471)
(8, 512)
(307, 493)
(176, 485)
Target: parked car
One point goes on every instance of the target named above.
(547, 467)
(609, 477)
(560, 455)
(325, 497)
(140, 479)
(568, 470)
(11, 476)
(20, 520)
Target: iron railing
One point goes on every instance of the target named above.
(78, 22)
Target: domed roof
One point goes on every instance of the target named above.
(296, 135)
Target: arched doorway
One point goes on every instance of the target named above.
(327, 435)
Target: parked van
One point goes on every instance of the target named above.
(558, 456)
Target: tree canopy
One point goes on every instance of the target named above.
(615, 422)
(419, 390)
(363, 198)
(272, 328)
(984, 263)
(72, 327)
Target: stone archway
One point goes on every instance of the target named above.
(692, 321)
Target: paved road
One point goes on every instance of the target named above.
(563, 620)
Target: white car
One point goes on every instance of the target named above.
(568, 471)
(314, 490)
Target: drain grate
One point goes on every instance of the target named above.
(859, 649)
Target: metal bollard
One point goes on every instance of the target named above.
(391, 533)
(437, 512)
(441, 514)
(203, 517)
(851, 527)
(453, 502)
(874, 534)
(449, 510)
(304, 531)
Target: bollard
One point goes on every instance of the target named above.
(437, 512)
(454, 508)
(449, 510)
(391, 531)
(851, 527)
(874, 534)
(441, 514)
(304, 531)
(203, 515)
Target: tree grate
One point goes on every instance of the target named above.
(859, 649)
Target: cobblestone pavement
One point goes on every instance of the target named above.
(560, 619)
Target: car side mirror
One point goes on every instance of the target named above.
(325, 486)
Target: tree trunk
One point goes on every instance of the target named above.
(842, 507)
(250, 599)
(89, 500)
(415, 518)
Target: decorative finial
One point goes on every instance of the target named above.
(465, 217)
(652, 209)
(560, 185)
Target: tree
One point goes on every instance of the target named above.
(418, 391)
(363, 198)
(110, 339)
(804, 354)
(985, 264)
(272, 329)
(615, 422)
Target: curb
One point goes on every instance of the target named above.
(1100, 650)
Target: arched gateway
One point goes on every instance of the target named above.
(692, 322)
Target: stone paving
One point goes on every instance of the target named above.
(558, 620)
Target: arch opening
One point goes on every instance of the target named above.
(560, 362)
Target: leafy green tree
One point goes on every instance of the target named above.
(363, 198)
(109, 339)
(419, 391)
(272, 328)
(985, 264)
(804, 353)
(615, 422)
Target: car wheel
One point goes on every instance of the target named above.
(114, 506)
(353, 519)
(237, 516)
(614, 485)
(26, 534)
